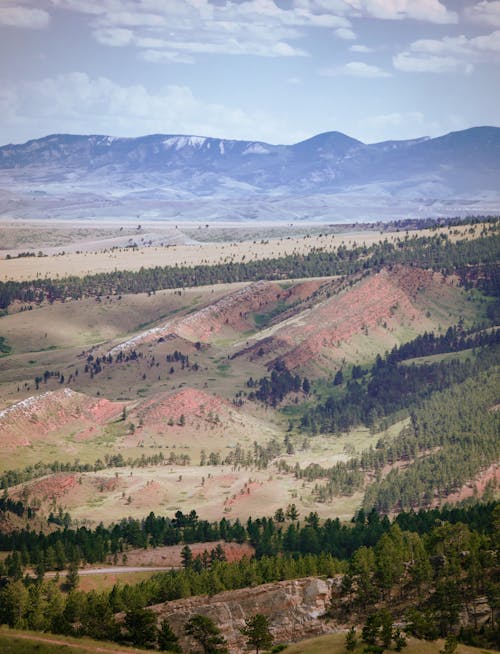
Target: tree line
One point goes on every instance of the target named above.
(436, 252)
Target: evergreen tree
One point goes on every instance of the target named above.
(450, 645)
(351, 640)
(186, 557)
(206, 633)
(167, 640)
(141, 627)
(399, 640)
(72, 577)
(257, 632)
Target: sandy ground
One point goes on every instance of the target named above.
(107, 260)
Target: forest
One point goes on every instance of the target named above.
(423, 557)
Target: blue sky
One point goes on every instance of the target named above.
(273, 70)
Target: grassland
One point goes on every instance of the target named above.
(62, 336)
(101, 255)
(335, 644)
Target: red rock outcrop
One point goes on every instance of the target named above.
(371, 302)
(233, 310)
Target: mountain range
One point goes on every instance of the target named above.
(330, 176)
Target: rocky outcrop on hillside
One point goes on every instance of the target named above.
(295, 610)
(386, 299)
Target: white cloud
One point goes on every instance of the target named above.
(114, 36)
(399, 125)
(432, 11)
(411, 63)
(25, 17)
(345, 34)
(485, 12)
(165, 57)
(360, 48)
(71, 102)
(182, 29)
(449, 54)
(355, 69)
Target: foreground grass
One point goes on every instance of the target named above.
(335, 644)
(13, 641)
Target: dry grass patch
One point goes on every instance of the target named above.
(335, 644)
(87, 263)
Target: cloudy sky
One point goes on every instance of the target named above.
(274, 70)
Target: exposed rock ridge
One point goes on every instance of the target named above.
(294, 608)
(199, 326)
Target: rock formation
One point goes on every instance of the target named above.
(295, 609)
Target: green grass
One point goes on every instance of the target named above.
(462, 355)
(223, 369)
(262, 320)
(4, 348)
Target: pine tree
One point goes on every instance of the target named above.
(141, 627)
(72, 577)
(450, 645)
(257, 632)
(351, 639)
(399, 640)
(206, 633)
(186, 557)
(167, 640)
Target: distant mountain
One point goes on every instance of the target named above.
(330, 176)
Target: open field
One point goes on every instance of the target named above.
(213, 491)
(106, 256)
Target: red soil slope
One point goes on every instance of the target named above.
(35, 417)
(373, 301)
(191, 403)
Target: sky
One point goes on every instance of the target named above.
(278, 71)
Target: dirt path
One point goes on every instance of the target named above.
(116, 570)
(83, 646)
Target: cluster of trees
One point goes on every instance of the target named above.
(391, 386)
(454, 339)
(378, 633)
(438, 574)
(453, 434)
(272, 390)
(260, 455)
(283, 533)
(437, 252)
(458, 430)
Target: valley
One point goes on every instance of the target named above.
(295, 381)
